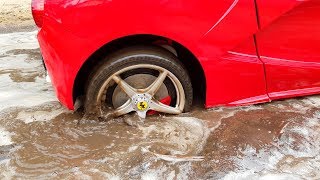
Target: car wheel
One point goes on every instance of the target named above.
(145, 80)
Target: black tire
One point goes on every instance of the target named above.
(132, 56)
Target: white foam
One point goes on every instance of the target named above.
(33, 116)
(164, 173)
(185, 134)
(252, 175)
(5, 137)
(18, 40)
(150, 176)
(7, 171)
(295, 156)
(312, 101)
(132, 148)
(24, 93)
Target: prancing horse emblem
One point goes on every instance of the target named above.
(142, 106)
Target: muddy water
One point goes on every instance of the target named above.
(41, 139)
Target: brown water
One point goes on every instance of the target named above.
(40, 139)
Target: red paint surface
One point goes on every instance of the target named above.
(290, 49)
(283, 63)
(37, 7)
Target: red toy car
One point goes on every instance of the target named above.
(149, 55)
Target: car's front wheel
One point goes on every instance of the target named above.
(139, 79)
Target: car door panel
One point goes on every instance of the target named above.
(235, 75)
(270, 10)
(290, 50)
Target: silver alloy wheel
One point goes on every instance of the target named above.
(143, 100)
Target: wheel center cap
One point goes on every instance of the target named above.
(142, 105)
(141, 102)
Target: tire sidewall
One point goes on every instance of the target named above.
(135, 56)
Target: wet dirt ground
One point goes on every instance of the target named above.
(41, 139)
(15, 15)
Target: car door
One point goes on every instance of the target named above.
(234, 73)
(289, 45)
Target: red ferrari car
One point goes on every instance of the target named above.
(150, 56)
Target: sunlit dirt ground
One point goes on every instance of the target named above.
(41, 139)
(15, 15)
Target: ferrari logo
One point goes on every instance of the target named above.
(142, 106)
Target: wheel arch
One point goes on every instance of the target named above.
(193, 65)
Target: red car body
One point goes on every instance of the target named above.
(251, 51)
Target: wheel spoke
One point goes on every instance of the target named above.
(142, 114)
(124, 109)
(155, 86)
(160, 107)
(129, 90)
